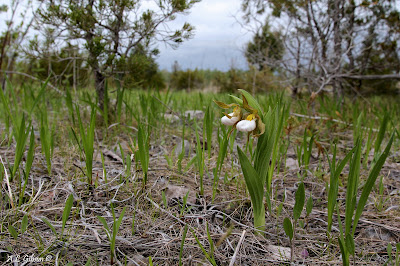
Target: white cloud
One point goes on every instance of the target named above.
(218, 40)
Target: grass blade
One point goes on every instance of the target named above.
(211, 260)
(12, 231)
(69, 104)
(22, 136)
(287, 226)
(299, 201)
(352, 184)
(143, 145)
(30, 155)
(44, 219)
(208, 124)
(87, 138)
(264, 149)
(343, 250)
(67, 211)
(255, 185)
(200, 160)
(334, 182)
(46, 139)
(121, 216)
(40, 95)
(381, 133)
(24, 223)
(211, 242)
(103, 221)
(371, 181)
(182, 244)
(223, 147)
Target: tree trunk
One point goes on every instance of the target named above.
(2, 55)
(295, 91)
(253, 85)
(337, 39)
(100, 87)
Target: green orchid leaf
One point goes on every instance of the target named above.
(287, 226)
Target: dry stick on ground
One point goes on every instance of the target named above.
(387, 227)
(328, 119)
(237, 248)
(243, 225)
(8, 184)
(166, 212)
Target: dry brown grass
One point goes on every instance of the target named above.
(150, 228)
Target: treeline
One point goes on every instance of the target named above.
(222, 81)
(344, 47)
(328, 45)
(68, 68)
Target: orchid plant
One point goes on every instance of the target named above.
(248, 121)
(248, 116)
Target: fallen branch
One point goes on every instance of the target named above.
(329, 119)
(237, 248)
(371, 77)
(34, 78)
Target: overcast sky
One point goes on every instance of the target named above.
(218, 42)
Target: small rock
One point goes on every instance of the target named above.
(171, 118)
(178, 192)
(178, 148)
(377, 234)
(113, 102)
(198, 114)
(117, 148)
(112, 155)
(278, 252)
(395, 192)
(292, 164)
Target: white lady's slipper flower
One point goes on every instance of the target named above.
(253, 123)
(247, 125)
(230, 121)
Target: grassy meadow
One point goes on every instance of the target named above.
(156, 179)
